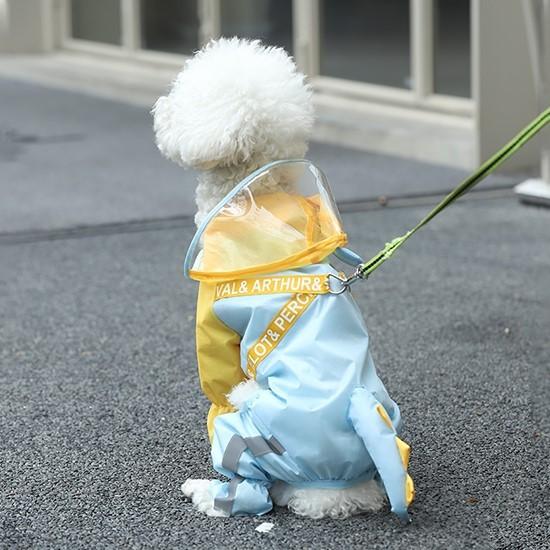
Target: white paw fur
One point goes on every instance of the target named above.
(367, 496)
(198, 490)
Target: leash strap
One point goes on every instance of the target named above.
(366, 268)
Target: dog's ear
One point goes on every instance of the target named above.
(233, 102)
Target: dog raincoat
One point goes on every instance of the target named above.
(268, 309)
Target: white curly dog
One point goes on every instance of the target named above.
(236, 106)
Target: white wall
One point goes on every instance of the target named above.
(27, 26)
(503, 87)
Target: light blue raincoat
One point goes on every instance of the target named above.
(322, 417)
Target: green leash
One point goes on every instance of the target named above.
(365, 269)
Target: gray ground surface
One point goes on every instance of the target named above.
(101, 417)
(68, 159)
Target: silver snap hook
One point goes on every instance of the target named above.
(345, 282)
(342, 281)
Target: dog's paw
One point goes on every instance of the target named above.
(198, 490)
(194, 486)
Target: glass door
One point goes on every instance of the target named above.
(366, 41)
(133, 28)
(98, 21)
(451, 28)
(268, 20)
(170, 26)
(406, 52)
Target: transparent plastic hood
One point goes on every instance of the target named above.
(280, 217)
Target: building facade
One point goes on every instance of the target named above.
(446, 81)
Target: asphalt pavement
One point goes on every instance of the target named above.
(101, 417)
(74, 160)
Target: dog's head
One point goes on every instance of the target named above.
(235, 103)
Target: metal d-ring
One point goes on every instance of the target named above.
(342, 282)
(345, 282)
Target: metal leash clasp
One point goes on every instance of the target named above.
(345, 282)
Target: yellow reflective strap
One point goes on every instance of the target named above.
(276, 330)
(384, 415)
(409, 490)
(405, 453)
(279, 284)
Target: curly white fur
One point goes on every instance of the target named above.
(367, 496)
(243, 392)
(334, 503)
(235, 106)
(198, 490)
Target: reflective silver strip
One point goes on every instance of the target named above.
(258, 445)
(233, 452)
(275, 445)
(225, 504)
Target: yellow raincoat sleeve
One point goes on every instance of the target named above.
(218, 355)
